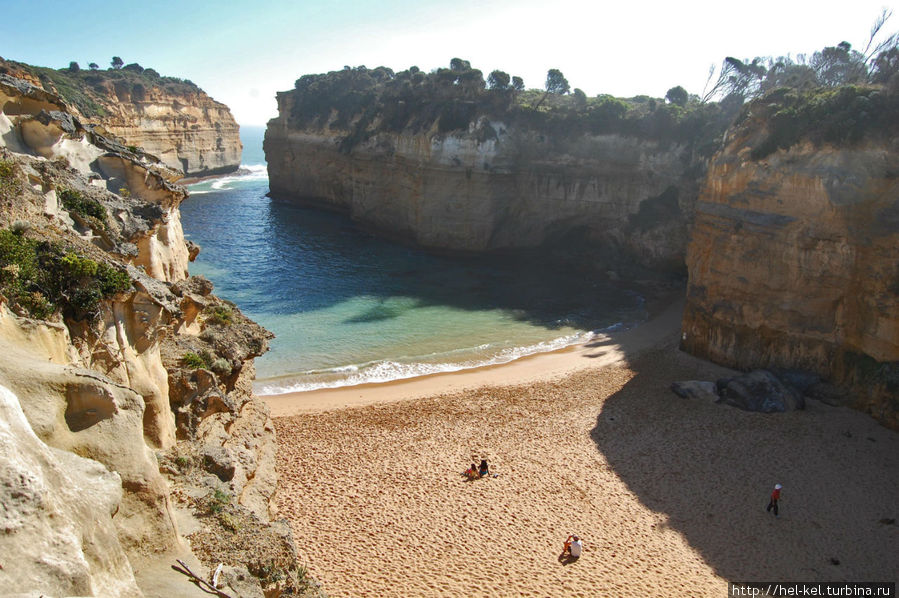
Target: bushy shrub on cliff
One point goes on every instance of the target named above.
(840, 116)
(362, 102)
(38, 278)
(75, 201)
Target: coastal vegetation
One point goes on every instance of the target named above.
(75, 201)
(85, 89)
(40, 278)
(836, 95)
(363, 102)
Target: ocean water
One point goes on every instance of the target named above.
(348, 308)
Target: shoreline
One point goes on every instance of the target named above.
(668, 494)
(665, 319)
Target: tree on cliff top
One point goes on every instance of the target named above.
(117, 62)
(555, 83)
(677, 96)
(498, 80)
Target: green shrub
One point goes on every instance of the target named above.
(38, 277)
(74, 201)
(838, 116)
(222, 315)
(218, 501)
(221, 366)
(9, 183)
(195, 361)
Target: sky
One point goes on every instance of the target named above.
(242, 53)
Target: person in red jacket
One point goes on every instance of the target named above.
(775, 496)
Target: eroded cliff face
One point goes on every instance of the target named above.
(793, 263)
(190, 132)
(176, 122)
(494, 187)
(144, 405)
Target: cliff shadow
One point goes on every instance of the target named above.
(294, 259)
(709, 469)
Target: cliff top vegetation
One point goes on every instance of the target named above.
(362, 102)
(835, 95)
(87, 89)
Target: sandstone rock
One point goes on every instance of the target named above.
(187, 130)
(792, 263)
(109, 386)
(239, 582)
(759, 390)
(467, 192)
(219, 461)
(696, 389)
(58, 536)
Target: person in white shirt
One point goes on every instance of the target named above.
(573, 547)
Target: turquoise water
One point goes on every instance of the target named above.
(348, 308)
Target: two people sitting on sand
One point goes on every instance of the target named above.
(572, 548)
(477, 471)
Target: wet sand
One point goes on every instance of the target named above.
(668, 494)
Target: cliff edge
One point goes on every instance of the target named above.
(167, 117)
(438, 160)
(130, 436)
(794, 250)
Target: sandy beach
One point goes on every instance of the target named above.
(668, 494)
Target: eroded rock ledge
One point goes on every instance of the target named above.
(129, 434)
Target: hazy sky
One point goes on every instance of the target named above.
(241, 53)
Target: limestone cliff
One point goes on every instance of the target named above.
(171, 119)
(463, 169)
(794, 252)
(124, 379)
(456, 192)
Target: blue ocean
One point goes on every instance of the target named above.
(349, 308)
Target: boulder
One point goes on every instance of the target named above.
(696, 389)
(759, 390)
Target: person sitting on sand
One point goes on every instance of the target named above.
(483, 471)
(572, 547)
(472, 472)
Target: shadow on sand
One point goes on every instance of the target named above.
(710, 468)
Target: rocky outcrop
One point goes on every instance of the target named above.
(793, 263)
(132, 435)
(171, 119)
(494, 186)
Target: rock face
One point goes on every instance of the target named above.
(173, 120)
(57, 514)
(793, 263)
(493, 187)
(127, 427)
(187, 131)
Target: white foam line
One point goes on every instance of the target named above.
(389, 371)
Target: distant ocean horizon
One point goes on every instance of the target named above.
(348, 308)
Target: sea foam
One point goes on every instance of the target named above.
(390, 370)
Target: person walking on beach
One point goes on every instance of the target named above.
(775, 496)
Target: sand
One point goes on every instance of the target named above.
(668, 494)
